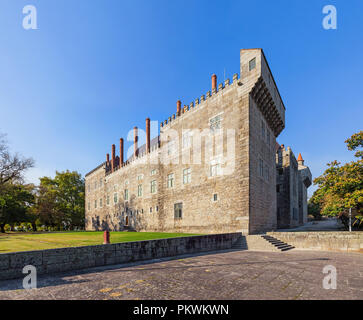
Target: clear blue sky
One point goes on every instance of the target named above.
(94, 69)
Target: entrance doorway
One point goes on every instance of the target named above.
(127, 221)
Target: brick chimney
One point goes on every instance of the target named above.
(178, 107)
(113, 158)
(121, 152)
(107, 158)
(136, 138)
(214, 83)
(147, 135)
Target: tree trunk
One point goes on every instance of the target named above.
(34, 226)
(2, 228)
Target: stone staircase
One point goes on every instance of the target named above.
(260, 243)
(282, 246)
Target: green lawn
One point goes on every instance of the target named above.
(12, 242)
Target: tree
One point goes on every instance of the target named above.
(14, 197)
(12, 167)
(60, 201)
(340, 187)
(15, 202)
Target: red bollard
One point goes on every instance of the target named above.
(106, 237)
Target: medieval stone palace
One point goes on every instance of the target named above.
(215, 167)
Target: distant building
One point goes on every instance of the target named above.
(212, 169)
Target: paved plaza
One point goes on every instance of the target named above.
(295, 274)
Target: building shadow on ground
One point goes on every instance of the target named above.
(59, 279)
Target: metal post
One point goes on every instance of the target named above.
(350, 219)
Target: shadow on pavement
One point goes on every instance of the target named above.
(58, 279)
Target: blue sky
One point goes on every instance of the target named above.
(95, 69)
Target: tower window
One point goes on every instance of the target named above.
(252, 64)
(215, 197)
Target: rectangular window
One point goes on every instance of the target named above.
(100, 182)
(139, 177)
(115, 200)
(261, 167)
(151, 209)
(187, 176)
(139, 190)
(95, 204)
(153, 186)
(215, 169)
(215, 197)
(156, 208)
(178, 210)
(215, 123)
(100, 203)
(126, 194)
(252, 64)
(95, 185)
(153, 172)
(108, 199)
(171, 180)
(89, 206)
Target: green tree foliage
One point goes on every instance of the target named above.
(60, 201)
(15, 198)
(340, 187)
(15, 201)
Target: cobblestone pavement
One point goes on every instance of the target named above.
(295, 274)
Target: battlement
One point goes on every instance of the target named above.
(255, 76)
(198, 102)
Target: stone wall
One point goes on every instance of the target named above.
(327, 241)
(65, 259)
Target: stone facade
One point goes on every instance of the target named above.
(292, 180)
(211, 169)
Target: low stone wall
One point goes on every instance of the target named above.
(329, 241)
(75, 258)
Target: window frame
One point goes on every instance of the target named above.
(178, 212)
(188, 175)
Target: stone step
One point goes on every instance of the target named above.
(280, 245)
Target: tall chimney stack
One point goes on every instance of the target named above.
(147, 135)
(136, 138)
(214, 83)
(121, 152)
(113, 158)
(107, 159)
(178, 107)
